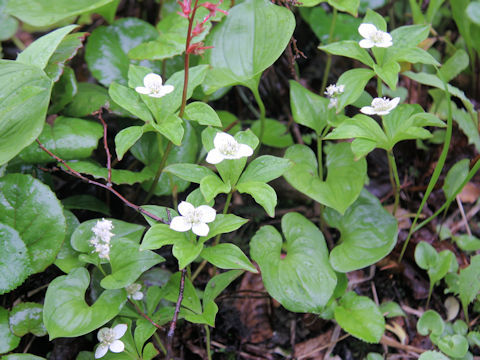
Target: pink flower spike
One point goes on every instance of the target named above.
(186, 8)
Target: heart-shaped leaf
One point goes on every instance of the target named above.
(65, 312)
(31, 208)
(8, 340)
(368, 234)
(27, 318)
(302, 280)
(455, 345)
(345, 178)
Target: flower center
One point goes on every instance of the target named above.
(381, 104)
(108, 336)
(378, 36)
(229, 148)
(194, 217)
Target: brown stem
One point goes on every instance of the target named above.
(105, 145)
(145, 316)
(104, 186)
(173, 324)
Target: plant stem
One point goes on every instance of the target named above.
(394, 179)
(320, 158)
(159, 171)
(207, 341)
(329, 56)
(379, 87)
(159, 342)
(173, 324)
(261, 106)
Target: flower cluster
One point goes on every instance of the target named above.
(381, 106)
(193, 218)
(109, 339)
(226, 147)
(101, 239)
(133, 291)
(154, 87)
(374, 37)
(333, 91)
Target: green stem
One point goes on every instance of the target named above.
(207, 340)
(159, 342)
(430, 290)
(159, 171)
(392, 165)
(261, 106)
(18, 43)
(438, 167)
(320, 158)
(329, 56)
(379, 88)
(100, 267)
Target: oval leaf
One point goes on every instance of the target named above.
(227, 256)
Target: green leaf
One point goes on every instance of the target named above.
(223, 223)
(14, 259)
(455, 345)
(65, 51)
(186, 251)
(45, 13)
(67, 258)
(345, 176)
(206, 317)
(190, 172)
(107, 48)
(218, 283)
(118, 176)
(129, 99)
(227, 256)
(8, 341)
(409, 36)
(8, 25)
(302, 280)
(275, 133)
(127, 269)
(413, 55)
(376, 19)
(85, 202)
(190, 298)
(432, 355)
(467, 242)
(473, 12)
(89, 98)
(263, 194)
(171, 127)
(202, 113)
(265, 168)
(22, 357)
(68, 138)
(160, 235)
(391, 309)
(361, 317)
(430, 322)
(65, 312)
(426, 256)
(241, 50)
(212, 185)
(350, 6)
(126, 138)
(31, 208)
(455, 64)
(350, 49)
(388, 72)
(354, 81)
(27, 318)
(308, 109)
(63, 91)
(24, 97)
(368, 234)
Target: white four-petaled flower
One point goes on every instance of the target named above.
(109, 339)
(374, 37)
(153, 86)
(102, 237)
(193, 218)
(381, 106)
(226, 147)
(133, 291)
(333, 91)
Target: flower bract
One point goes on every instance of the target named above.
(109, 340)
(193, 218)
(153, 86)
(380, 106)
(133, 291)
(374, 37)
(226, 147)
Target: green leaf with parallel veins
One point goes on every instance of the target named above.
(455, 64)
(202, 113)
(65, 51)
(190, 298)
(212, 185)
(241, 51)
(8, 341)
(354, 81)
(39, 52)
(8, 24)
(414, 55)
(127, 269)
(63, 91)
(68, 138)
(302, 280)
(223, 223)
(368, 233)
(44, 13)
(14, 259)
(275, 133)
(207, 317)
(89, 98)
(27, 318)
(345, 176)
(159, 235)
(107, 48)
(31, 208)
(186, 251)
(190, 172)
(219, 283)
(388, 72)
(227, 256)
(350, 6)
(22, 357)
(263, 194)
(265, 168)
(65, 312)
(126, 138)
(409, 36)
(129, 99)
(171, 127)
(361, 317)
(24, 97)
(350, 49)
(67, 257)
(308, 108)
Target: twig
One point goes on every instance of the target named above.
(105, 145)
(395, 344)
(323, 347)
(96, 183)
(173, 324)
(145, 316)
(464, 217)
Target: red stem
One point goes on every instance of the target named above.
(105, 145)
(173, 324)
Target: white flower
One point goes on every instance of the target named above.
(101, 240)
(380, 106)
(374, 37)
(133, 291)
(108, 338)
(153, 86)
(226, 147)
(333, 91)
(193, 218)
